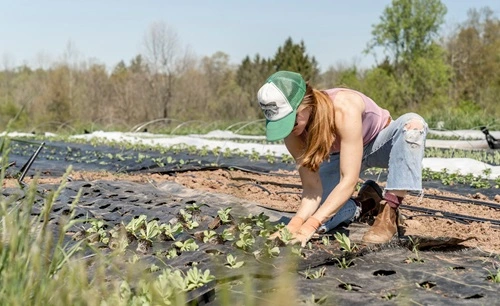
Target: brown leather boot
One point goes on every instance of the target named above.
(368, 199)
(385, 225)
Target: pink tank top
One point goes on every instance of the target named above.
(374, 118)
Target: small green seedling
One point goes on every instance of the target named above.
(414, 247)
(196, 278)
(345, 242)
(314, 274)
(188, 245)
(151, 230)
(494, 276)
(227, 235)
(232, 263)
(246, 241)
(325, 240)
(207, 235)
(315, 301)
(171, 231)
(224, 215)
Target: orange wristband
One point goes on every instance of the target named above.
(295, 223)
(311, 225)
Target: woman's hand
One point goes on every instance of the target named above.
(306, 231)
(293, 226)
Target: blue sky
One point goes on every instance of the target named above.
(107, 31)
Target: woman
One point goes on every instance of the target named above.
(333, 135)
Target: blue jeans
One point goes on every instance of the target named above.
(395, 148)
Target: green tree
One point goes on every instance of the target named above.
(294, 57)
(224, 100)
(407, 32)
(407, 29)
(58, 95)
(473, 54)
(250, 76)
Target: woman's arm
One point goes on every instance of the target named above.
(348, 111)
(311, 183)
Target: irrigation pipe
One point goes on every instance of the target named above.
(249, 123)
(449, 215)
(141, 126)
(186, 123)
(252, 184)
(459, 200)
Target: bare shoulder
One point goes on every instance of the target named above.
(348, 101)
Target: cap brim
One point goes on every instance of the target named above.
(277, 130)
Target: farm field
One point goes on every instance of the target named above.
(212, 211)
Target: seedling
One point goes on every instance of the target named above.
(227, 153)
(232, 263)
(140, 158)
(494, 275)
(244, 227)
(135, 224)
(265, 233)
(297, 250)
(171, 231)
(189, 223)
(414, 244)
(207, 235)
(227, 235)
(254, 156)
(224, 215)
(345, 242)
(389, 296)
(97, 232)
(196, 278)
(188, 245)
(151, 230)
(246, 241)
(268, 250)
(348, 250)
(172, 253)
(158, 161)
(216, 151)
(325, 240)
(343, 262)
(314, 301)
(194, 207)
(314, 274)
(286, 236)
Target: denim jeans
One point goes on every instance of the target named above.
(395, 148)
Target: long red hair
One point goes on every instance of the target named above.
(320, 128)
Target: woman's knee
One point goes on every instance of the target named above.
(414, 129)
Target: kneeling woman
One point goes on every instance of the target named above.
(333, 135)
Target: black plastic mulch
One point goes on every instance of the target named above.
(445, 273)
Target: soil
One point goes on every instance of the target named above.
(281, 191)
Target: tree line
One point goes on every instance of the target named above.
(453, 78)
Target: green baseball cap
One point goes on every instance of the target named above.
(279, 99)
